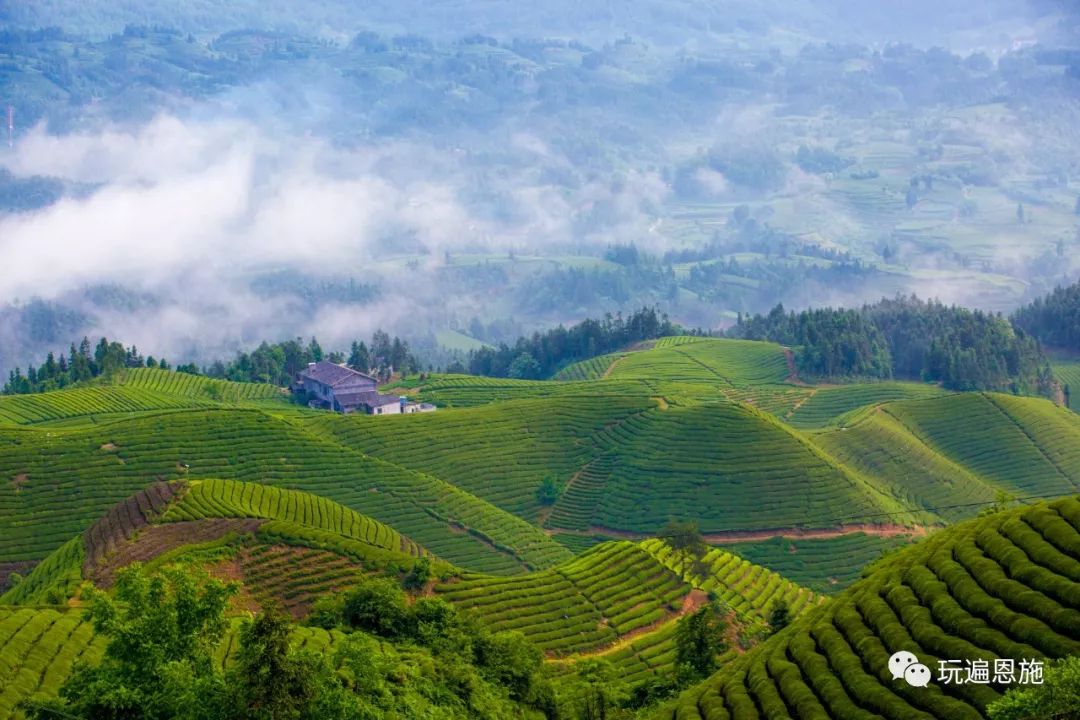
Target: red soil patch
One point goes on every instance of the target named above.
(125, 519)
(154, 540)
(21, 566)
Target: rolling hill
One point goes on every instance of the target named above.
(1002, 586)
(796, 487)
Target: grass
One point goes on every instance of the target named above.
(1002, 586)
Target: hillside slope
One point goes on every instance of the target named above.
(1002, 586)
(59, 481)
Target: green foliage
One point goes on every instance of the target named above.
(543, 354)
(377, 606)
(1058, 698)
(524, 367)
(1053, 319)
(595, 692)
(548, 492)
(419, 575)
(81, 364)
(162, 630)
(699, 641)
(779, 616)
(268, 681)
(685, 539)
(912, 339)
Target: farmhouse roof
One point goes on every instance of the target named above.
(331, 374)
(369, 398)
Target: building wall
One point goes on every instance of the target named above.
(318, 390)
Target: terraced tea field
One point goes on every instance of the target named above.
(89, 402)
(197, 386)
(734, 363)
(824, 565)
(591, 369)
(1003, 586)
(298, 503)
(285, 544)
(728, 466)
(1068, 373)
(500, 452)
(829, 404)
(994, 439)
(746, 588)
(621, 599)
(38, 649)
(232, 499)
(61, 481)
(608, 592)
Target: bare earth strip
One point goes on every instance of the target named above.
(694, 600)
(736, 536)
(611, 367)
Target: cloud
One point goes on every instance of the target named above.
(190, 210)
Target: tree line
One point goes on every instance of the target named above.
(271, 363)
(1055, 318)
(908, 338)
(78, 365)
(278, 363)
(543, 354)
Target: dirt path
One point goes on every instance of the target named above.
(611, 367)
(735, 536)
(694, 599)
(802, 401)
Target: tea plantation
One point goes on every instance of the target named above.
(537, 504)
(1002, 586)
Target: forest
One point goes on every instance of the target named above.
(275, 364)
(543, 354)
(1054, 319)
(911, 339)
